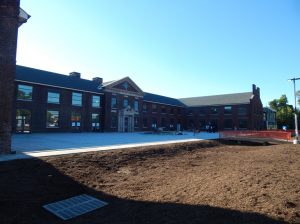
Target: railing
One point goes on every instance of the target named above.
(280, 135)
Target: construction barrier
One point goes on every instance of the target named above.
(279, 135)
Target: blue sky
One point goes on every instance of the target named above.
(177, 48)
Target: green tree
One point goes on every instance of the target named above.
(284, 112)
(298, 96)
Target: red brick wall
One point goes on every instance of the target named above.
(9, 11)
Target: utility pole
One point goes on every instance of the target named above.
(296, 119)
(11, 17)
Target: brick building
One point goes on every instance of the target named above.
(225, 112)
(51, 102)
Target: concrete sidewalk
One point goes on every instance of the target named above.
(50, 144)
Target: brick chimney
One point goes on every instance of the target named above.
(98, 80)
(75, 74)
(255, 90)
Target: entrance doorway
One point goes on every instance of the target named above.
(126, 124)
(126, 120)
(23, 121)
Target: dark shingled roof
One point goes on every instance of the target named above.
(162, 100)
(225, 99)
(54, 79)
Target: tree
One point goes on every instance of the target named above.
(284, 112)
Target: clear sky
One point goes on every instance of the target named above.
(176, 48)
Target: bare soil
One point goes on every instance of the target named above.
(207, 182)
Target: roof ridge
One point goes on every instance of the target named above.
(226, 94)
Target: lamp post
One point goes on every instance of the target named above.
(296, 120)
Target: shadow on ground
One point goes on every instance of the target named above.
(27, 185)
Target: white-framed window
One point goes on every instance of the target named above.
(114, 102)
(95, 121)
(76, 119)
(114, 120)
(77, 99)
(154, 108)
(136, 122)
(24, 92)
(52, 119)
(242, 110)
(125, 103)
(53, 97)
(96, 101)
(228, 110)
(136, 105)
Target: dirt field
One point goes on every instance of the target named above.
(207, 182)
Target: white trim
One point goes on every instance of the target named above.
(128, 79)
(123, 92)
(80, 90)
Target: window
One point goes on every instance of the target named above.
(190, 113)
(53, 97)
(95, 121)
(125, 103)
(76, 119)
(243, 124)
(228, 110)
(214, 110)
(114, 121)
(23, 120)
(113, 102)
(228, 124)
(172, 110)
(52, 119)
(202, 124)
(96, 101)
(191, 124)
(172, 124)
(154, 123)
(163, 109)
(136, 121)
(242, 110)
(154, 108)
(214, 124)
(144, 107)
(202, 112)
(136, 105)
(145, 122)
(76, 99)
(24, 92)
(163, 122)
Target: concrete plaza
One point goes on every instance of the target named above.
(50, 144)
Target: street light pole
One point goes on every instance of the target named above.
(296, 120)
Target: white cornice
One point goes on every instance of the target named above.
(123, 92)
